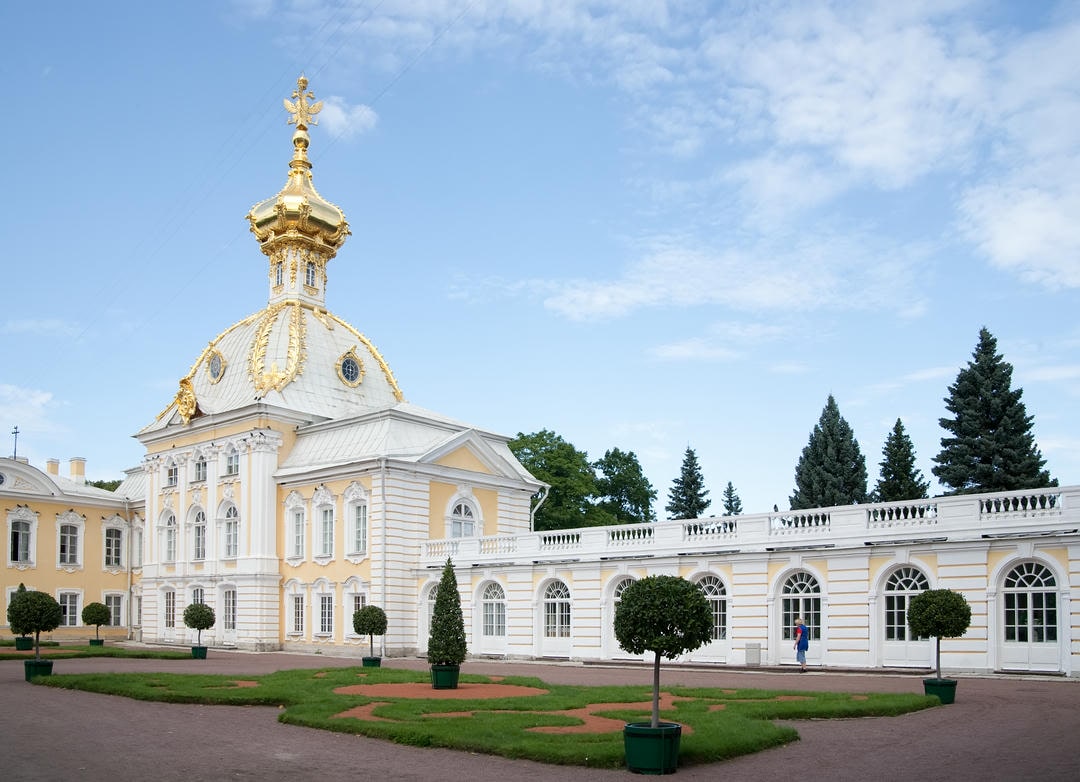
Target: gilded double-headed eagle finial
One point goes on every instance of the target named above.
(303, 113)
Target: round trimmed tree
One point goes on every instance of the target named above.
(199, 617)
(96, 614)
(666, 615)
(370, 621)
(32, 613)
(941, 613)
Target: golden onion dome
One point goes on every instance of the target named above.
(298, 217)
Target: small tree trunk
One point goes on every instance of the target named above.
(656, 692)
(37, 646)
(371, 640)
(937, 655)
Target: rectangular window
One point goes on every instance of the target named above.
(298, 614)
(20, 541)
(719, 614)
(199, 550)
(359, 536)
(231, 539)
(229, 620)
(494, 618)
(197, 595)
(170, 609)
(69, 544)
(113, 542)
(359, 601)
(115, 603)
(326, 536)
(171, 475)
(298, 534)
(200, 470)
(232, 463)
(136, 548)
(557, 619)
(69, 609)
(809, 608)
(326, 614)
(138, 610)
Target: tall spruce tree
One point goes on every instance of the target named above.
(832, 469)
(686, 499)
(899, 479)
(990, 446)
(732, 503)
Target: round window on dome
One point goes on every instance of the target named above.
(350, 370)
(215, 367)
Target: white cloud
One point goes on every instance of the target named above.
(27, 408)
(41, 327)
(345, 121)
(694, 349)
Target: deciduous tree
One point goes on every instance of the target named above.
(556, 462)
(622, 488)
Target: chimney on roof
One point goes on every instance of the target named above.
(52, 466)
(78, 468)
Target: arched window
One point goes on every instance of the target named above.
(801, 598)
(494, 604)
(904, 584)
(620, 588)
(198, 549)
(309, 275)
(557, 610)
(716, 593)
(170, 540)
(1031, 604)
(232, 532)
(462, 520)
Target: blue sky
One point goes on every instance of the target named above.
(642, 225)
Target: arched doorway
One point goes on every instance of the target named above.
(899, 648)
(800, 597)
(1030, 631)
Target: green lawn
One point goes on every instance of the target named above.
(718, 723)
(65, 652)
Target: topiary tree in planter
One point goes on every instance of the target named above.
(199, 617)
(96, 614)
(446, 640)
(941, 613)
(668, 616)
(23, 641)
(35, 612)
(370, 621)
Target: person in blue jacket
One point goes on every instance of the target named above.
(802, 643)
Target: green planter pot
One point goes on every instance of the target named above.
(24, 643)
(97, 641)
(198, 652)
(371, 662)
(945, 689)
(652, 750)
(33, 668)
(445, 677)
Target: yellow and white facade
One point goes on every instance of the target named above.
(288, 483)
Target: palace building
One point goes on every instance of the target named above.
(289, 483)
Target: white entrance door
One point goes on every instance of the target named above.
(801, 598)
(1031, 635)
(899, 649)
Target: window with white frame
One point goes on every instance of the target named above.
(493, 601)
(1031, 611)
(232, 532)
(462, 520)
(198, 549)
(326, 614)
(232, 462)
(716, 593)
(297, 535)
(359, 600)
(358, 529)
(114, 547)
(326, 532)
(279, 273)
(200, 469)
(21, 550)
(198, 595)
(137, 547)
(309, 275)
(228, 614)
(69, 609)
(170, 538)
(115, 604)
(69, 539)
(169, 608)
(557, 610)
(801, 598)
(298, 614)
(904, 584)
(172, 474)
